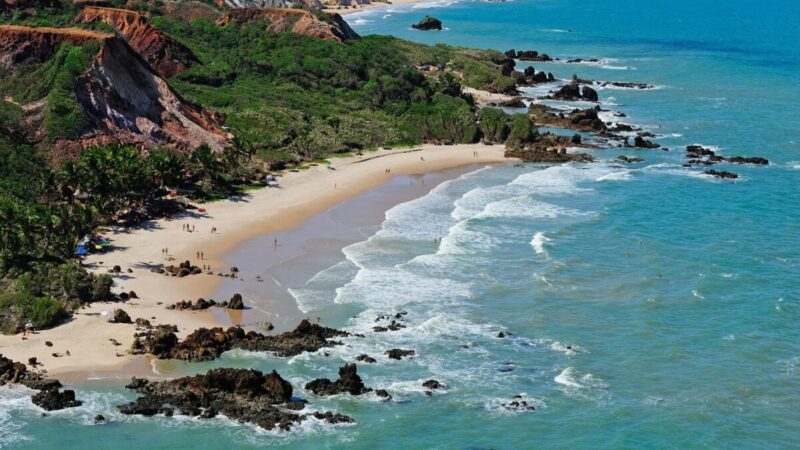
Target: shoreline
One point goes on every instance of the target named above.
(369, 6)
(88, 335)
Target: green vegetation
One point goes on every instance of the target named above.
(299, 96)
(287, 98)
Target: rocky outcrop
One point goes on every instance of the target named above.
(320, 26)
(50, 397)
(546, 156)
(124, 100)
(165, 55)
(531, 77)
(428, 23)
(348, 383)
(757, 160)
(574, 92)
(641, 142)
(528, 55)
(397, 353)
(208, 344)
(577, 119)
(725, 175)
(247, 396)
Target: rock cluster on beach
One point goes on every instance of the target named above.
(207, 344)
(236, 302)
(247, 396)
(50, 396)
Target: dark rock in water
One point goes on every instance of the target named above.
(349, 382)
(519, 405)
(511, 53)
(207, 344)
(428, 23)
(366, 358)
(379, 329)
(383, 393)
(640, 142)
(432, 384)
(121, 316)
(236, 302)
(576, 139)
(398, 354)
(244, 395)
(626, 159)
(698, 150)
(569, 91)
(99, 418)
(533, 55)
(748, 160)
(589, 94)
(53, 399)
(333, 418)
(501, 335)
(722, 174)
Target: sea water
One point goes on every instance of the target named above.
(643, 305)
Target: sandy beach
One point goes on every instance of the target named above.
(85, 347)
(362, 7)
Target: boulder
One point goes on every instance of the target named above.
(121, 316)
(54, 399)
(432, 384)
(721, 174)
(366, 358)
(428, 23)
(398, 354)
(640, 142)
(348, 383)
(589, 94)
(236, 302)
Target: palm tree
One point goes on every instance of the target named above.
(205, 165)
(168, 167)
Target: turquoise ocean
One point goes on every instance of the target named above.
(644, 305)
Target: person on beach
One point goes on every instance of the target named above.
(202, 255)
(28, 328)
(275, 244)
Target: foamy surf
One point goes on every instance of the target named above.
(538, 242)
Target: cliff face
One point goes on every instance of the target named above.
(19, 43)
(167, 56)
(295, 21)
(315, 4)
(125, 99)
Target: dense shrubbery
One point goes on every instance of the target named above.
(293, 94)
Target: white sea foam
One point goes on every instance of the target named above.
(538, 242)
(623, 175)
(554, 30)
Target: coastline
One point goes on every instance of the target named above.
(89, 337)
(366, 7)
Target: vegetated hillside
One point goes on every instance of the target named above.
(290, 86)
(295, 95)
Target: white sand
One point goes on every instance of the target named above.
(302, 195)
